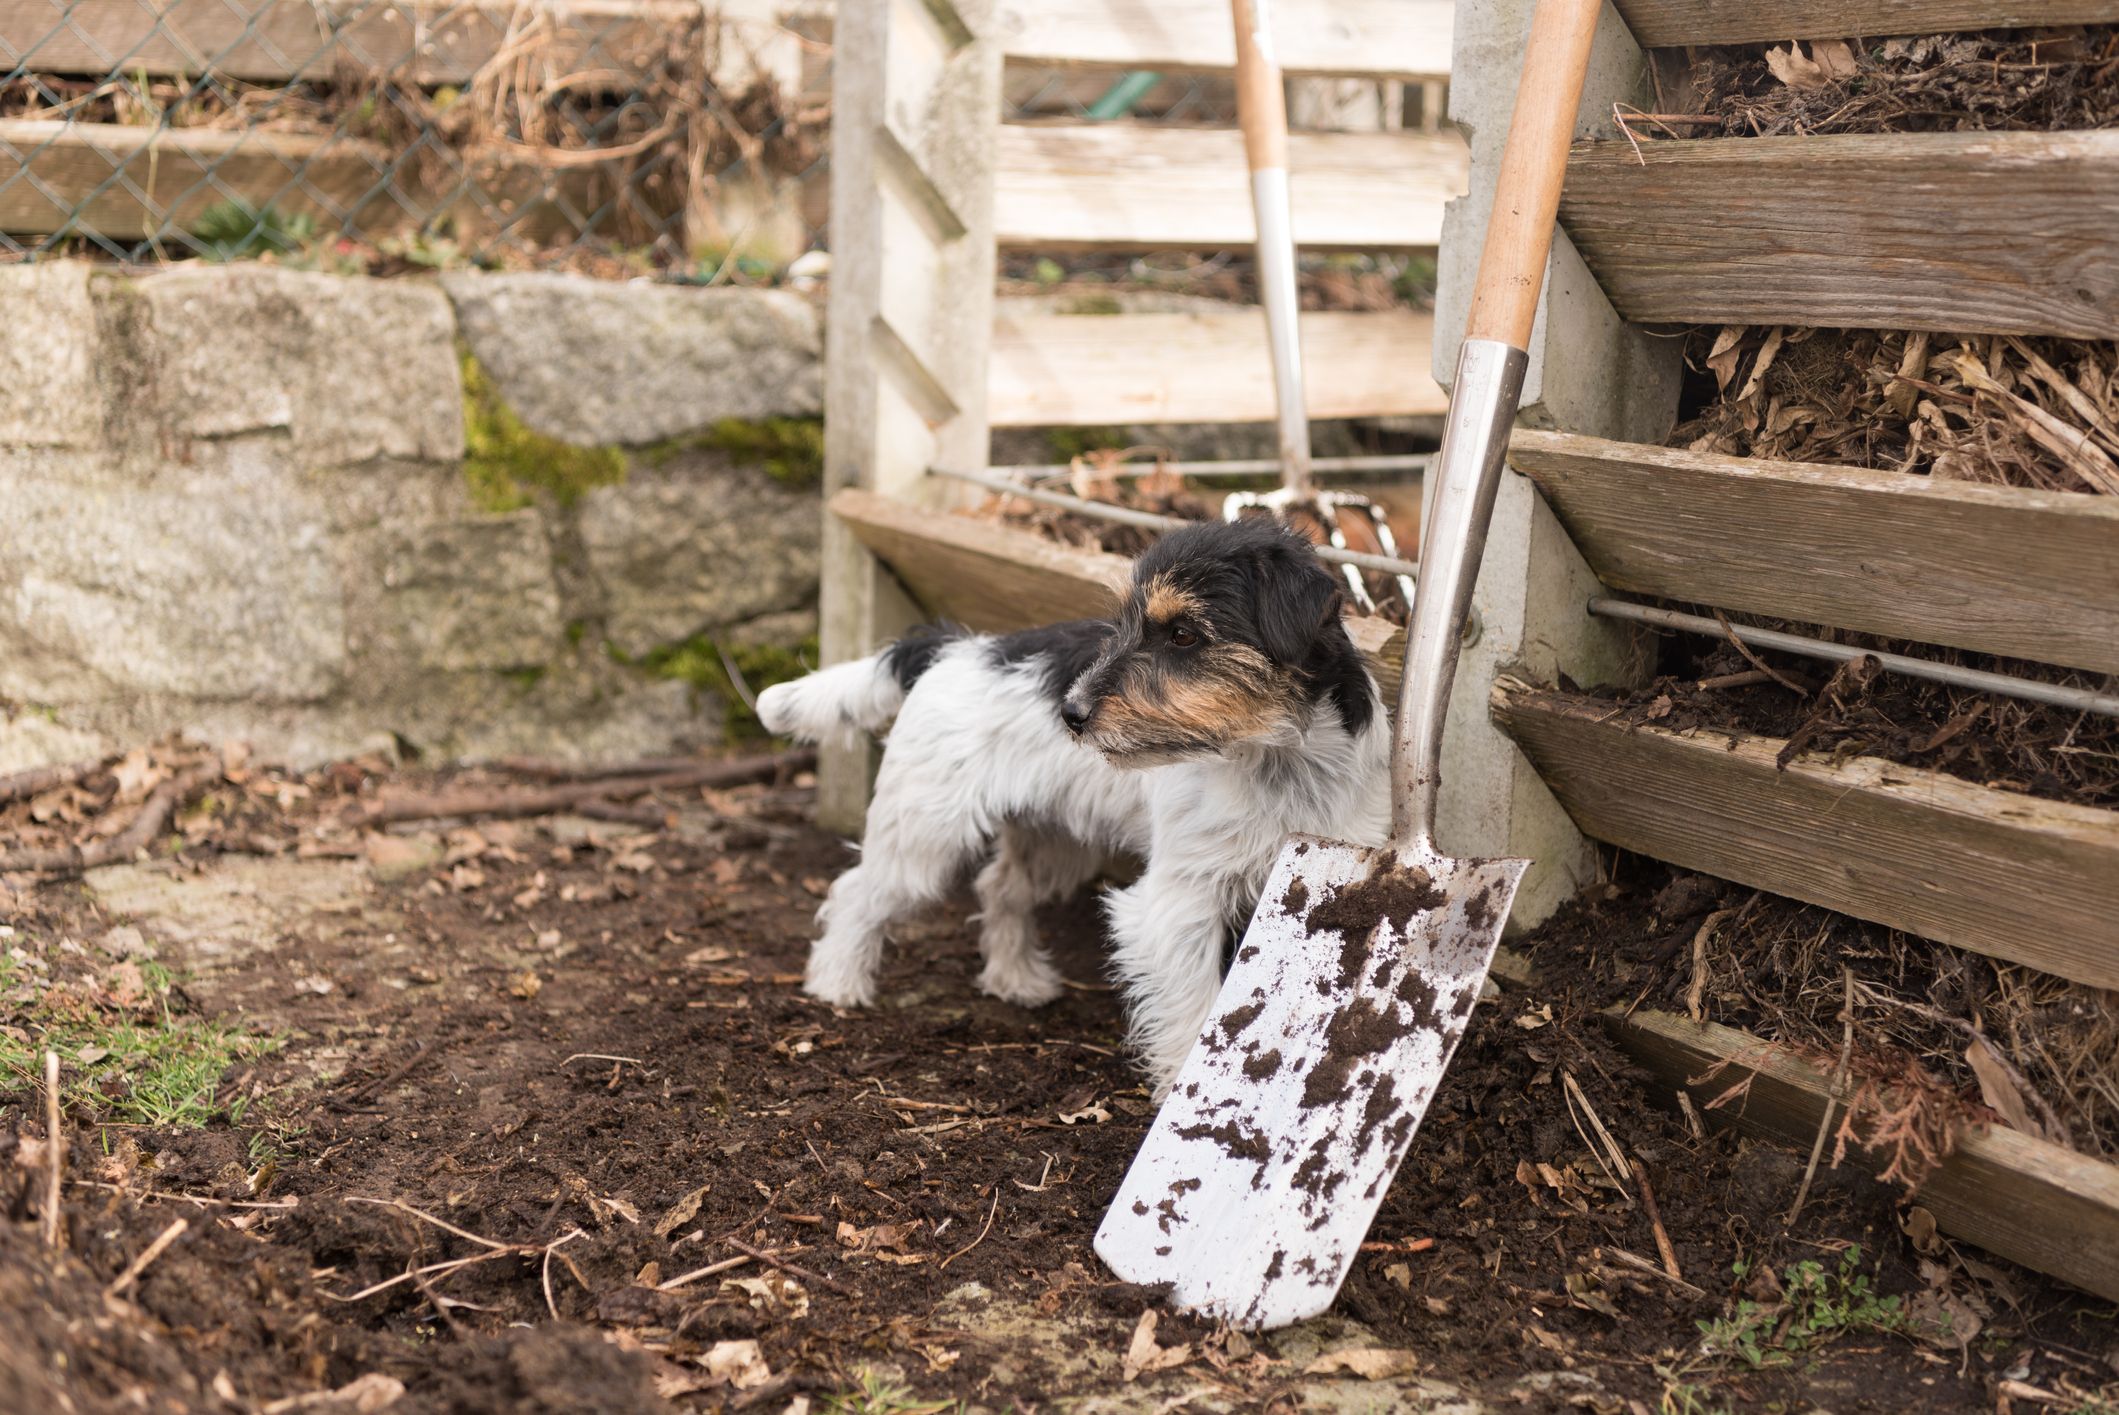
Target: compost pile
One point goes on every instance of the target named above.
(2044, 80)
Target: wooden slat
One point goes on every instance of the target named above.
(2030, 1201)
(1958, 232)
(1136, 186)
(274, 41)
(1385, 39)
(1658, 23)
(1104, 370)
(2011, 876)
(995, 578)
(2007, 570)
(49, 169)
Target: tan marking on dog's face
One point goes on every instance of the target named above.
(1163, 603)
(1205, 703)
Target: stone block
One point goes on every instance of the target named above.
(598, 364)
(475, 593)
(348, 369)
(696, 546)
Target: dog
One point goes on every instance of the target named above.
(1222, 708)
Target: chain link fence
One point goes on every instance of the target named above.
(611, 137)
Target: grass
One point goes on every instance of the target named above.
(873, 1395)
(161, 1072)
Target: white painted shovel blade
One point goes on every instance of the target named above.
(1261, 1174)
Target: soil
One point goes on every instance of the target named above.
(584, 1043)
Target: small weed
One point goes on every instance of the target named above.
(1817, 1304)
(877, 1396)
(231, 230)
(1686, 1398)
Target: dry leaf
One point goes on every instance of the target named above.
(127, 988)
(1375, 1363)
(1998, 1088)
(736, 1363)
(1828, 61)
(682, 1212)
(364, 1395)
(1531, 1021)
(526, 984)
(1143, 1355)
(775, 1293)
(712, 953)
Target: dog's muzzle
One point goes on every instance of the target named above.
(1075, 715)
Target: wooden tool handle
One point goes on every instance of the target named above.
(1527, 195)
(1261, 100)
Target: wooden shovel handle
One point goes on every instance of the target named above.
(1261, 100)
(1527, 195)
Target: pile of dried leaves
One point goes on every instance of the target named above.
(1999, 408)
(1939, 1036)
(2041, 80)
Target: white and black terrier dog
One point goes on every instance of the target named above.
(1221, 708)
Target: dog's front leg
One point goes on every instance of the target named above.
(1167, 933)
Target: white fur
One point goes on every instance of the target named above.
(833, 705)
(978, 760)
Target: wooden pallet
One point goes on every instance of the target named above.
(2006, 570)
(1382, 39)
(2035, 1203)
(1682, 22)
(1998, 872)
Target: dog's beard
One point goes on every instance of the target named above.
(1159, 718)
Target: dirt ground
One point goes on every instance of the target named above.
(533, 1116)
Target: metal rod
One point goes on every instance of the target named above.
(1243, 467)
(2051, 694)
(1149, 520)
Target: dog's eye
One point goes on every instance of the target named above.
(1182, 637)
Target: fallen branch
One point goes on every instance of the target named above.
(774, 1260)
(38, 780)
(506, 804)
(1663, 1245)
(545, 770)
(153, 816)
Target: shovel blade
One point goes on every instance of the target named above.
(1350, 990)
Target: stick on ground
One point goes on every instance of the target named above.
(152, 1251)
(54, 1150)
(37, 780)
(508, 804)
(161, 804)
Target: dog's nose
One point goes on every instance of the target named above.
(1075, 716)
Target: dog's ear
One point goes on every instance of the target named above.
(1297, 599)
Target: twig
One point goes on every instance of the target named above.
(1692, 1116)
(1755, 661)
(544, 770)
(1573, 1091)
(601, 1056)
(774, 1260)
(405, 1208)
(152, 1251)
(1642, 1265)
(1839, 1087)
(1663, 1244)
(161, 804)
(624, 815)
(990, 1212)
(198, 1200)
(439, 1303)
(54, 1150)
(1696, 991)
(388, 1078)
(506, 804)
(1746, 679)
(686, 1279)
(38, 780)
(735, 678)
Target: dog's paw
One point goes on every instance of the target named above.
(839, 986)
(1031, 982)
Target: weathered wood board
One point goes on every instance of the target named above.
(1681, 22)
(2004, 874)
(1958, 232)
(1385, 39)
(607, 43)
(995, 578)
(1102, 370)
(2028, 1200)
(1142, 187)
(2006, 570)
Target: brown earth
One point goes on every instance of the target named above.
(576, 1051)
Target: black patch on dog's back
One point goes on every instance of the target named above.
(914, 654)
(1062, 652)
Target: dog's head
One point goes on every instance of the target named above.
(1229, 634)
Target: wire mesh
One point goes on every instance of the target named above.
(618, 136)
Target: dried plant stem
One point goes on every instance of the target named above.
(152, 1251)
(1839, 1088)
(54, 1150)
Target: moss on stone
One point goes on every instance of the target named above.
(697, 661)
(1093, 305)
(789, 450)
(506, 464)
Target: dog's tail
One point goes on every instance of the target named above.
(835, 705)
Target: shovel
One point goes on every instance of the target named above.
(1350, 990)
(1262, 112)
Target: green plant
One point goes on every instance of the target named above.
(232, 230)
(874, 1395)
(1817, 1304)
(161, 1073)
(507, 464)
